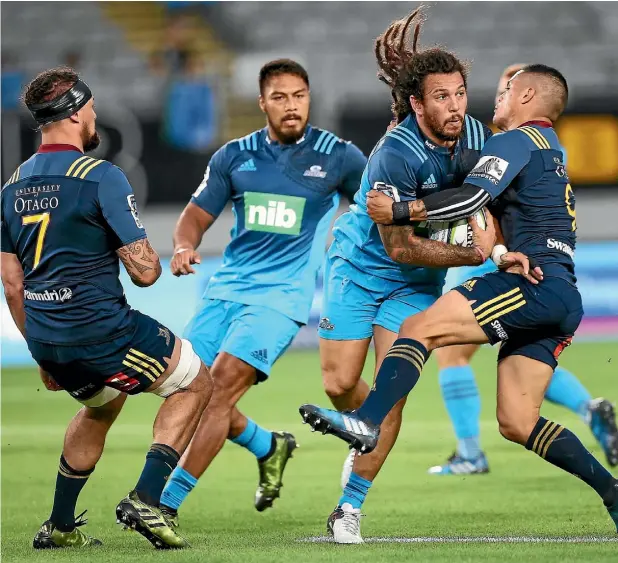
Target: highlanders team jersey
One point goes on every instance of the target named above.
(409, 166)
(64, 215)
(523, 171)
(284, 198)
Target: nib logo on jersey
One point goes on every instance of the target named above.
(274, 213)
(63, 294)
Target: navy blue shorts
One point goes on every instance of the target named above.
(536, 321)
(130, 363)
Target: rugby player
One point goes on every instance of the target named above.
(462, 399)
(521, 174)
(375, 277)
(67, 220)
(284, 182)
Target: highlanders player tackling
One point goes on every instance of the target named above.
(67, 219)
(521, 175)
(463, 402)
(284, 183)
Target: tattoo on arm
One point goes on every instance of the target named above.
(417, 210)
(403, 246)
(139, 258)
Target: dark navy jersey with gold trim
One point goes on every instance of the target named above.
(523, 171)
(64, 215)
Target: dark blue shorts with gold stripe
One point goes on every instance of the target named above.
(130, 362)
(537, 321)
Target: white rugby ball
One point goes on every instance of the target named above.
(458, 233)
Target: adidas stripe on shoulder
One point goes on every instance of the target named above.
(82, 166)
(249, 142)
(475, 135)
(325, 143)
(407, 139)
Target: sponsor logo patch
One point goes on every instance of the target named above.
(60, 295)
(315, 171)
(273, 213)
(325, 324)
(502, 335)
(490, 168)
(133, 207)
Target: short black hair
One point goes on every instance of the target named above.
(279, 67)
(548, 71)
(49, 84)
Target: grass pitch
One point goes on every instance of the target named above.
(523, 510)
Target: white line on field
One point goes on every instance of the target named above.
(475, 539)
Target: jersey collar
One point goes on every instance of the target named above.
(57, 148)
(306, 134)
(538, 123)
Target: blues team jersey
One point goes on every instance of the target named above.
(410, 166)
(523, 171)
(64, 215)
(284, 198)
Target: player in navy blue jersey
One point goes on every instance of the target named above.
(521, 175)
(284, 183)
(461, 396)
(67, 221)
(376, 276)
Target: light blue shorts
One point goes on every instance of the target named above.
(254, 334)
(457, 276)
(350, 310)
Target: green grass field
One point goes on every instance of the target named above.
(522, 496)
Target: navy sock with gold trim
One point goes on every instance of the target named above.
(69, 484)
(562, 448)
(396, 377)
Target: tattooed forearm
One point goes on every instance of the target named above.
(141, 262)
(403, 246)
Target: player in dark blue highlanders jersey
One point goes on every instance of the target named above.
(521, 175)
(284, 183)
(67, 219)
(461, 395)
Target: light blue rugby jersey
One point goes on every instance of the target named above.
(406, 160)
(284, 198)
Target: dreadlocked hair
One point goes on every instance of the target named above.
(403, 68)
(50, 84)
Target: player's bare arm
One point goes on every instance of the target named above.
(190, 229)
(403, 246)
(13, 282)
(141, 262)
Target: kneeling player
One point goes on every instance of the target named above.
(521, 172)
(66, 220)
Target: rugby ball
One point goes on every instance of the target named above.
(458, 233)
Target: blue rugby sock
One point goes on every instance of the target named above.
(562, 448)
(355, 491)
(566, 390)
(255, 439)
(178, 487)
(463, 404)
(396, 377)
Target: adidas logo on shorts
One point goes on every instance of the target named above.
(261, 355)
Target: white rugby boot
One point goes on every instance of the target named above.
(344, 524)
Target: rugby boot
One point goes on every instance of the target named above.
(362, 435)
(602, 421)
(50, 537)
(271, 470)
(457, 465)
(149, 521)
(344, 524)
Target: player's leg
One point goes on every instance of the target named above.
(247, 355)
(450, 321)
(463, 404)
(567, 390)
(522, 382)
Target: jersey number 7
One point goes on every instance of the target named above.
(43, 219)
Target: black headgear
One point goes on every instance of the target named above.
(63, 106)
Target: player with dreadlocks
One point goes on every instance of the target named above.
(376, 276)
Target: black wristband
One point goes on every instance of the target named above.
(401, 213)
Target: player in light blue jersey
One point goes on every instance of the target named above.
(462, 399)
(284, 183)
(375, 276)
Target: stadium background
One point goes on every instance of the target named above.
(173, 81)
